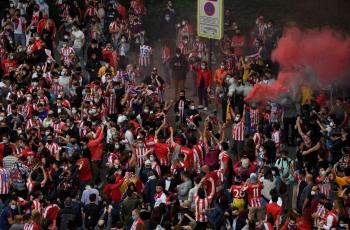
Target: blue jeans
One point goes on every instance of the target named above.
(20, 39)
(79, 52)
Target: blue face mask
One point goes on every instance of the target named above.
(13, 207)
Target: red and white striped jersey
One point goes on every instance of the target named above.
(181, 108)
(33, 123)
(4, 181)
(136, 222)
(56, 88)
(31, 226)
(258, 139)
(145, 55)
(321, 214)
(238, 131)
(51, 212)
(201, 206)
(53, 148)
(112, 156)
(254, 194)
(156, 168)
(18, 151)
(37, 206)
(237, 192)
(261, 30)
(198, 156)
(27, 110)
(185, 48)
(91, 11)
(114, 26)
(111, 103)
(65, 52)
(57, 127)
(140, 151)
(200, 48)
(254, 117)
(224, 158)
(325, 188)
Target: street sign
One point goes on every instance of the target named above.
(210, 18)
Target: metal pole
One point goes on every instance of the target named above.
(210, 53)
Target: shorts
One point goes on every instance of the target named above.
(238, 203)
(255, 213)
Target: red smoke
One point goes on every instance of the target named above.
(324, 52)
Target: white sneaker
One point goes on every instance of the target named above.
(205, 109)
(200, 106)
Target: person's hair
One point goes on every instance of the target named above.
(225, 145)
(36, 217)
(201, 193)
(92, 197)
(18, 219)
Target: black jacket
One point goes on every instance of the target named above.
(179, 67)
(66, 217)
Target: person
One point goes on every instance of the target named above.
(218, 79)
(78, 38)
(203, 84)
(274, 209)
(92, 66)
(91, 211)
(179, 68)
(202, 202)
(85, 198)
(253, 189)
(238, 128)
(159, 197)
(127, 207)
(166, 55)
(67, 217)
(95, 146)
(184, 187)
(7, 217)
(181, 107)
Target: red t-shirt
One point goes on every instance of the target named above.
(188, 157)
(274, 209)
(85, 172)
(254, 194)
(161, 150)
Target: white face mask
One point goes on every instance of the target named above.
(192, 107)
(202, 66)
(313, 193)
(116, 146)
(177, 55)
(2, 118)
(74, 111)
(237, 118)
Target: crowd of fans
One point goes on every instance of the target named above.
(92, 138)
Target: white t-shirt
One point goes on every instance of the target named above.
(78, 39)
